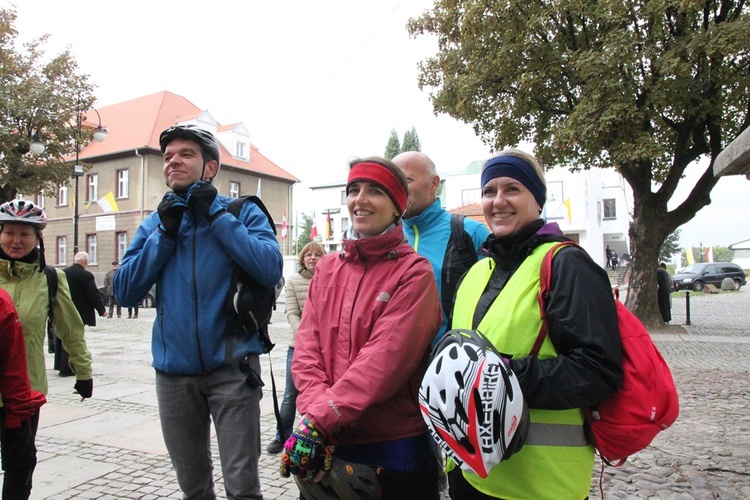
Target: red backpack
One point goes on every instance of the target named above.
(645, 404)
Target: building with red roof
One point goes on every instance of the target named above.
(127, 168)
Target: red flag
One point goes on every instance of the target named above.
(314, 230)
(283, 226)
(329, 231)
(709, 254)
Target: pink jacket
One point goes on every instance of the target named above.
(363, 344)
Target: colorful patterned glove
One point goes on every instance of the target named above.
(306, 451)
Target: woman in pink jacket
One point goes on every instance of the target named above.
(362, 347)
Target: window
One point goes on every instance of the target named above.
(122, 183)
(240, 151)
(62, 250)
(39, 199)
(91, 248)
(234, 189)
(62, 195)
(343, 196)
(610, 209)
(122, 245)
(344, 224)
(92, 194)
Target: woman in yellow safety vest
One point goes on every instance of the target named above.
(579, 363)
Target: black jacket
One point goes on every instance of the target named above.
(84, 292)
(582, 322)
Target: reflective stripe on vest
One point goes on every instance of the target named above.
(556, 460)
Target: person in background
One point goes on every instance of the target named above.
(427, 226)
(133, 311)
(608, 252)
(295, 296)
(87, 300)
(110, 290)
(664, 292)
(362, 347)
(207, 364)
(579, 363)
(22, 275)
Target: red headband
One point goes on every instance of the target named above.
(380, 175)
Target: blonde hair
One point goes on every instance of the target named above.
(313, 246)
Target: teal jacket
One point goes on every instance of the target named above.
(193, 276)
(428, 234)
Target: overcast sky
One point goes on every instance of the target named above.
(314, 82)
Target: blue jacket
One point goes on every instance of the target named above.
(428, 234)
(193, 277)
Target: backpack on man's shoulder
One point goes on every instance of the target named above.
(647, 401)
(253, 302)
(460, 255)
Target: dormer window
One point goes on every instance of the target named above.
(240, 150)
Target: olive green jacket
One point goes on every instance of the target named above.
(28, 289)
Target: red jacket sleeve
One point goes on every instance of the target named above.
(19, 401)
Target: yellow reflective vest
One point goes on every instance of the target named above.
(556, 461)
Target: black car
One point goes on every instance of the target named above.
(147, 301)
(696, 276)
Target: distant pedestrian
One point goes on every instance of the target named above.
(110, 290)
(87, 301)
(133, 312)
(609, 257)
(664, 292)
(615, 260)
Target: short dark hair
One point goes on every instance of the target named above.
(115, 262)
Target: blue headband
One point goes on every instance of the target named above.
(518, 169)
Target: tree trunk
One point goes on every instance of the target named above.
(647, 232)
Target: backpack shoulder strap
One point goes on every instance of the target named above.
(459, 257)
(51, 273)
(236, 206)
(545, 277)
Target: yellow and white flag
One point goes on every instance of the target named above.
(689, 255)
(108, 203)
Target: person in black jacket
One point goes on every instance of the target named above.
(86, 299)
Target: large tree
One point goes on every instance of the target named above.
(647, 87)
(41, 97)
(411, 141)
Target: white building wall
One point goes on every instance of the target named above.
(329, 199)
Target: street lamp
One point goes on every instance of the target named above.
(99, 135)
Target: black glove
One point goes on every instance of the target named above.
(84, 388)
(202, 198)
(170, 211)
(17, 439)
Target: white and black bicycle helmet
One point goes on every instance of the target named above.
(344, 480)
(204, 138)
(472, 402)
(23, 212)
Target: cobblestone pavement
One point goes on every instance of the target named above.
(110, 447)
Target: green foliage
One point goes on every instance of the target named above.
(303, 237)
(393, 147)
(38, 95)
(670, 246)
(411, 141)
(647, 87)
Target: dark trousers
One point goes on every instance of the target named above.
(112, 304)
(18, 459)
(130, 311)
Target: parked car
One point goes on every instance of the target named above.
(147, 301)
(696, 276)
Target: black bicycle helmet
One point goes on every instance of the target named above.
(206, 139)
(345, 480)
(23, 212)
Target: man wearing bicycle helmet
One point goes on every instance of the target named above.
(22, 275)
(189, 247)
